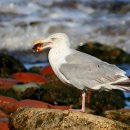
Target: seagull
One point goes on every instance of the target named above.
(79, 69)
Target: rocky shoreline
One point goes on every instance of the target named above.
(48, 119)
(37, 90)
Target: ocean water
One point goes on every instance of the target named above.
(23, 22)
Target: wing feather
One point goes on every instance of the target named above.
(83, 70)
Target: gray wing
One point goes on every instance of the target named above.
(83, 70)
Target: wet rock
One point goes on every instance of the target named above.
(20, 88)
(120, 115)
(119, 7)
(4, 126)
(34, 93)
(106, 100)
(35, 69)
(6, 100)
(47, 119)
(9, 65)
(12, 107)
(2, 114)
(106, 53)
(48, 73)
(55, 92)
(28, 77)
(7, 83)
(9, 93)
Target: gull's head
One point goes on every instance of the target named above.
(53, 41)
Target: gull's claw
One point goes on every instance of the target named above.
(76, 110)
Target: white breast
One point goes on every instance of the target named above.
(57, 58)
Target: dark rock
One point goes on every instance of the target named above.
(47, 119)
(35, 69)
(107, 100)
(106, 53)
(122, 116)
(34, 93)
(9, 65)
(57, 93)
(20, 89)
(9, 93)
(119, 7)
(116, 6)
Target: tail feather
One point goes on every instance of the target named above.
(124, 88)
(124, 85)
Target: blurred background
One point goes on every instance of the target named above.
(97, 27)
(103, 21)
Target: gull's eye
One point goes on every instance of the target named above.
(53, 39)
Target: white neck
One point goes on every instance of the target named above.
(57, 57)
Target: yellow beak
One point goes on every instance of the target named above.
(39, 41)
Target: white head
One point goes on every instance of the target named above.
(53, 41)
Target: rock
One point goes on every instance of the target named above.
(2, 114)
(119, 7)
(32, 103)
(52, 119)
(6, 100)
(106, 53)
(35, 69)
(4, 126)
(124, 110)
(34, 93)
(106, 100)
(120, 115)
(9, 93)
(55, 92)
(28, 77)
(7, 83)
(9, 65)
(20, 88)
(48, 73)
(12, 107)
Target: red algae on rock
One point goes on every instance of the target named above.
(48, 72)
(7, 83)
(31, 103)
(2, 114)
(28, 77)
(6, 100)
(4, 126)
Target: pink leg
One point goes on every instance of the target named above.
(83, 104)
